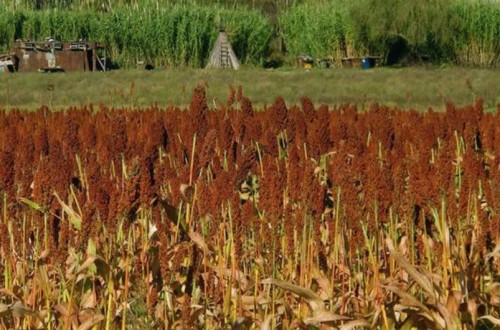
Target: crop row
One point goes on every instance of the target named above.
(185, 211)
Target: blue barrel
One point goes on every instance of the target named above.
(366, 63)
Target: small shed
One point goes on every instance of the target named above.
(222, 55)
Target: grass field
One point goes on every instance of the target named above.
(417, 88)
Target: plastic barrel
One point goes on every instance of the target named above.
(366, 63)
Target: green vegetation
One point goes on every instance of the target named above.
(181, 32)
(174, 35)
(463, 32)
(417, 88)
(318, 30)
(268, 6)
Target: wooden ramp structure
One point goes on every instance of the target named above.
(223, 55)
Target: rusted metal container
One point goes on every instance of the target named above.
(351, 62)
(52, 56)
(8, 63)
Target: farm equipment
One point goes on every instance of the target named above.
(55, 56)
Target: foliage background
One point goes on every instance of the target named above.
(181, 33)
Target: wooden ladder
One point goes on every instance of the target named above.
(224, 56)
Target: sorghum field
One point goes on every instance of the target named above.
(298, 217)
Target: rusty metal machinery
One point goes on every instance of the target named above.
(52, 56)
(8, 63)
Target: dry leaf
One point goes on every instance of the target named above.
(325, 317)
(418, 277)
(317, 305)
(354, 324)
(408, 300)
(88, 300)
(43, 255)
(453, 302)
(90, 323)
(490, 318)
(4, 310)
